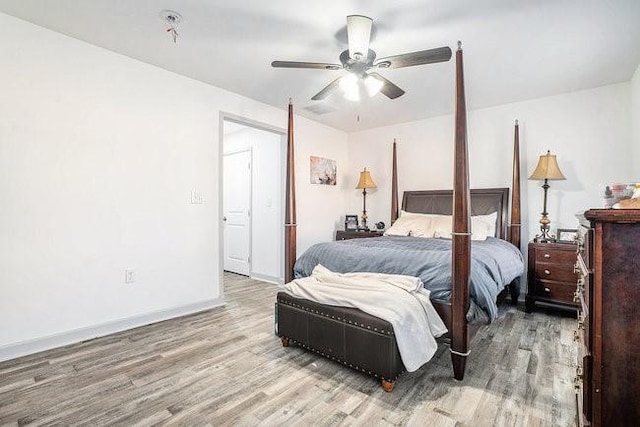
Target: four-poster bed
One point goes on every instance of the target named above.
(364, 342)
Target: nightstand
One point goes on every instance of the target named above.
(346, 235)
(551, 278)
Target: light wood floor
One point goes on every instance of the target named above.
(226, 367)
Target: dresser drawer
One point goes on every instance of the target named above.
(583, 372)
(557, 256)
(556, 291)
(557, 272)
(585, 236)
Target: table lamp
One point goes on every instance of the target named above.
(365, 182)
(546, 170)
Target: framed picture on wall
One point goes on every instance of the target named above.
(323, 171)
(566, 235)
(351, 222)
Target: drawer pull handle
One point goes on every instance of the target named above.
(547, 290)
(547, 272)
(579, 377)
(547, 256)
(581, 319)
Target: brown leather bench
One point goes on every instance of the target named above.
(346, 335)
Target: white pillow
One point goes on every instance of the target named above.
(483, 226)
(419, 225)
(440, 226)
(411, 224)
(440, 223)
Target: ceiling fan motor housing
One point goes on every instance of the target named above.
(358, 67)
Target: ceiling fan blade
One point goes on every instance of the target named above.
(358, 36)
(312, 65)
(388, 89)
(429, 56)
(328, 90)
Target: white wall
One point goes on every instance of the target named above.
(320, 207)
(589, 131)
(635, 124)
(267, 203)
(98, 156)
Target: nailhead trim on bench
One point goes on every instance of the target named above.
(301, 307)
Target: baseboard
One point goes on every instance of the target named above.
(266, 278)
(36, 345)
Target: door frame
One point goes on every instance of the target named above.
(245, 121)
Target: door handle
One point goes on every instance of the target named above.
(224, 219)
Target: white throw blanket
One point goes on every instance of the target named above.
(400, 300)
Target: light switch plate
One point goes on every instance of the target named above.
(196, 198)
(129, 276)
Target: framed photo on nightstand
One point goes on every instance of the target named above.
(566, 235)
(351, 222)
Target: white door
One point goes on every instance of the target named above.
(237, 211)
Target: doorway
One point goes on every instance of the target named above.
(253, 177)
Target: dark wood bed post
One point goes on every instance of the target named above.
(394, 185)
(290, 205)
(461, 251)
(514, 227)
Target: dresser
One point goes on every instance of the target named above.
(346, 235)
(551, 278)
(608, 327)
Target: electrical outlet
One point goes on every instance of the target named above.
(129, 276)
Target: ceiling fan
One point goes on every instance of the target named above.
(361, 64)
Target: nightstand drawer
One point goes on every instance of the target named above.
(560, 292)
(556, 256)
(558, 272)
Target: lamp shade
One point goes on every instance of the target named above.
(365, 180)
(547, 168)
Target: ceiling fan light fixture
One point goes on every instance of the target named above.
(373, 85)
(358, 34)
(359, 62)
(350, 87)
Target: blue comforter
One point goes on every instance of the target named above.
(494, 263)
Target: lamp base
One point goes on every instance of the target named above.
(545, 236)
(543, 239)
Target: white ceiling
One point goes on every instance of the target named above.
(514, 49)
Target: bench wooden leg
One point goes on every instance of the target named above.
(388, 385)
(285, 341)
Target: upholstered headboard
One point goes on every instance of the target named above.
(483, 202)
